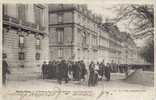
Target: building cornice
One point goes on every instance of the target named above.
(74, 9)
(14, 23)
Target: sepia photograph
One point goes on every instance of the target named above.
(77, 46)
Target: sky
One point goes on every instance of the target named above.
(106, 11)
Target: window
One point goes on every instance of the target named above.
(21, 56)
(37, 56)
(39, 18)
(60, 35)
(38, 44)
(60, 18)
(60, 52)
(94, 41)
(22, 11)
(21, 41)
(84, 38)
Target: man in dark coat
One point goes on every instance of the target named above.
(65, 71)
(50, 70)
(59, 72)
(107, 71)
(101, 68)
(77, 71)
(83, 70)
(54, 68)
(44, 70)
(4, 71)
(91, 75)
(62, 72)
(74, 70)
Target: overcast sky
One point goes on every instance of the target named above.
(106, 11)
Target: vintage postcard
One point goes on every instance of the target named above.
(77, 50)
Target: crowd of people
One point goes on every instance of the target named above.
(77, 71)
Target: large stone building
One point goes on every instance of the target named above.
(74, 32)
(25, 37)
(33, 33)
(78, 34)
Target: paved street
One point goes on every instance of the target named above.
(115, 82)
(77, 90)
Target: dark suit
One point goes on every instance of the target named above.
(107, 72)
(44, 70)
(91, 80)
(4, 71)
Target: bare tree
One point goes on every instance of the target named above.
(139, 18)
(140, 22)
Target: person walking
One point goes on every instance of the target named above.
(77, 71)
(49, 70)
(101, 70)
(5, 70)
(96, 74)
(65, 71)
(83, 70)
(91, 74)
(70, 71)
(74, 70)
(107, 71)
(54, 64)
(59, 68)
(44, 70)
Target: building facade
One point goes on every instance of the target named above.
(25, 37)
(75, 33)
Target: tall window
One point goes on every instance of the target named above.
(22, 11)
(39, 16)
(21, 41)
(60, 18)
(60, 52)
(94, 41)
(60, 35)
(21, 56)
(84, 38)
(37, 56)
(38, 44)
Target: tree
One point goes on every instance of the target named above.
(147, 51)
(139, 19)
(140, 22)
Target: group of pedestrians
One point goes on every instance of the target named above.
(97, 72)
(77, 71)
(64, 70)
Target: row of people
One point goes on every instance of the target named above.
(64, 70)
(76, 70)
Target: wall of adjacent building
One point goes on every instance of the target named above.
(11, 44)
(67, 36)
